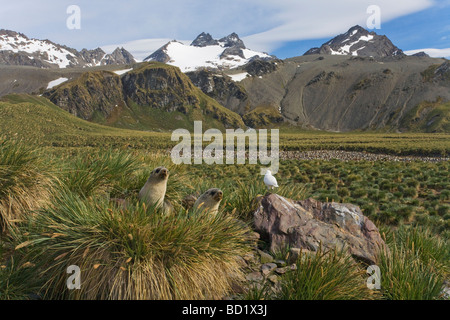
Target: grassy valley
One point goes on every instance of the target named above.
(61, 177)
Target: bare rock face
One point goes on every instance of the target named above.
(204, 40)
(232, 40)
(309, 223)
(259, 67)
(357, 41)
(221, 88)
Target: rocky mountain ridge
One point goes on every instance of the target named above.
(17, 49)
(359, 42)
(333, 92)
(340, 93)
(206, 52)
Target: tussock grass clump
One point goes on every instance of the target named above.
(88, 174)
(416, 266)
(404, 276)
(332, 275)
(18, 280)
(428, 247)
(138, 253)
(25, 182)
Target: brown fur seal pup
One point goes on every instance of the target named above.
(209, 201)
(154, 190)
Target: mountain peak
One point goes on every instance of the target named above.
(206, 52)
(232, 40)
(203, 40)
(357, 41)
(357, 28)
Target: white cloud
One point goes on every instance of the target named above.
(302, 20)
(263, 25)
(267, 25)
(432, 52)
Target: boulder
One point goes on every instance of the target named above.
(309, 224)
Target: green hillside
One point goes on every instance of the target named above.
(428, 117)
(37, 119)
(153, 96)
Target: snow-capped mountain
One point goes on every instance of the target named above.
(206, 52)
(17, 49)
(358, 42)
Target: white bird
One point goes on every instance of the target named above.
(270, 181)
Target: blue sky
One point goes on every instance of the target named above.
(285, 28)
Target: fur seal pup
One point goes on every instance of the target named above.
(154, 190)
(209, 201)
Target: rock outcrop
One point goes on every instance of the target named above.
(221, 88)
(203, 40)
(309, 224)
(93, 94)
(421, 54)
(258, 67)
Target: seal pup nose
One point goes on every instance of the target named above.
(218, 195)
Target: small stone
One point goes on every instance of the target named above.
(254, 277)
(237, 287)
(282, 270)
(268, 268)
(280, 263)
(265, 257)
(273, 278)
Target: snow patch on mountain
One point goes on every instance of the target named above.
(121, 72)
(56, 82)
(238, 76)
(54, 54)
(345, 49)
(17, 49)
(205, 52)
(357, 41)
